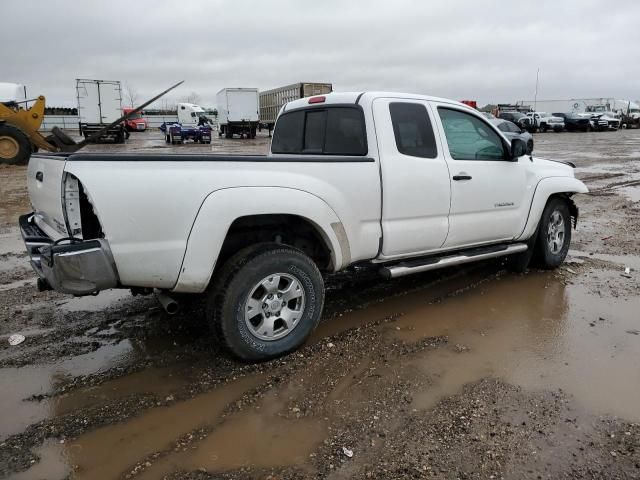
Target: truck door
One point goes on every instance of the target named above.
(490, 195)
(415, 178)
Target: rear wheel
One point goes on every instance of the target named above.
(543, 127)
(554, 234)
(266, 301)
(15, 146)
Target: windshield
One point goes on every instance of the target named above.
(135, 115)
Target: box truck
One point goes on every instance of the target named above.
(99, 104)
(271, 101)
(238, 112)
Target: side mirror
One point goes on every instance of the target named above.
(518, 149)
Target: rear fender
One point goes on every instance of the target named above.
(222, 207)
(545, 189)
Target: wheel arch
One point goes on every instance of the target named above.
(547, 188)
(234, 218)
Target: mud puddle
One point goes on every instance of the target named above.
(536, 332)
(111, 451)
(23, 387)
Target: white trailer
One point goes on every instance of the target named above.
(579, 105)
(99, 104)
(238, 112)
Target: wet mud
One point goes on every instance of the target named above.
(471, 372)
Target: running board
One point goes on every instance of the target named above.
(433, 263)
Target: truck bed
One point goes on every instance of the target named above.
(147, 204)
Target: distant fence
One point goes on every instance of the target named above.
(66, 122)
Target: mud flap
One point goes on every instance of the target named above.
(519, 262)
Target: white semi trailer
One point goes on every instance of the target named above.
(580, 105)
(99, 104)
(238, 112)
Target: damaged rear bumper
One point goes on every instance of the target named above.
(80, 267)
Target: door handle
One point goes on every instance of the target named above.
(462, 177)
(39, 176)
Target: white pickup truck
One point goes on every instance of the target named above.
(404, 182)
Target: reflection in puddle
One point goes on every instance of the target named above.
(109, 452)
(94, 303)
(256, 440)
(18, 384)
(535, 332)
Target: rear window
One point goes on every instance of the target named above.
(321, 131)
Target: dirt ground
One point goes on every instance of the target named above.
(466, 373)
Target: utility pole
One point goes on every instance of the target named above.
(535, 95)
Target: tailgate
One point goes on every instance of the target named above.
(44, 181)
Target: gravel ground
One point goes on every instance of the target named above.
(465, 373)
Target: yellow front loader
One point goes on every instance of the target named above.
(19, 135)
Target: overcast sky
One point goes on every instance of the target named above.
(461, 49)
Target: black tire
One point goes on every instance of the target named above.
(543, 128)
(233, 286)
(62, 136)
(15, 146)
(529, 147)
(544, 256)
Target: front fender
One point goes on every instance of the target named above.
(545, 188)
(222, 207)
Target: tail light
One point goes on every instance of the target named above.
(317, 99)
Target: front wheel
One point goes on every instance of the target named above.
(554, 234)
(266, 301)
(15, 146)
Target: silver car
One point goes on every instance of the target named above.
(511, 131)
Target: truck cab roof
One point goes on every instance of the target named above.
(361, 98)
(190, 106)
(11, 92)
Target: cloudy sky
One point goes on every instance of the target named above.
(472, 49)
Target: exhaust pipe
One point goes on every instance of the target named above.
(169, 304)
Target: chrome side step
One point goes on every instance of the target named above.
(408, 267)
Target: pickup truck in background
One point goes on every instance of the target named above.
(400, 182)
(543, 121)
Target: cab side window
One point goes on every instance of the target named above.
(412, 130)
(470, 138)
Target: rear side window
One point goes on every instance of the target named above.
(412, 130)
(321, 131)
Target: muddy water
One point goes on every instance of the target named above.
(535, 332)
(18, 385)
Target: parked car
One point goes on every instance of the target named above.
(575, 122)
(511, 131)
(543, 121)
(255, 233)
(518, 118)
